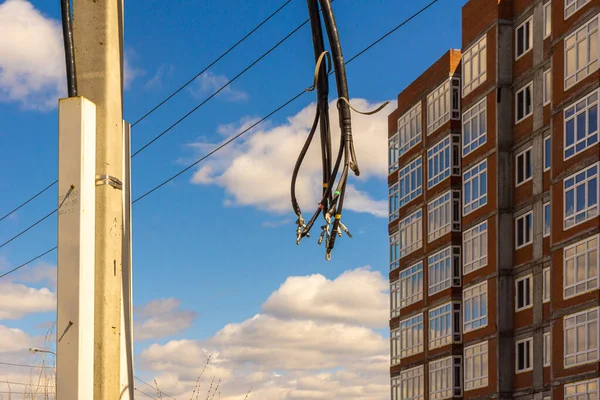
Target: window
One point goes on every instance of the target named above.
(394, 251)
(524, 230)
(547, 19)
(475, 188)
(411, 233)
(581, 267)
(395, 346)
(547, 152)
(411, 336)
(474, 127)
(412, 384)
(581, 196)
(475, 307)
(393, 196)
(524, 355)
(547, 350)
(411, 285)
(443, 215)
(476, 366)
(582, 390)
(442, 104)
(523, 102)
(444, 325)
(444, 269)
(581, 337)
(394, 153)
(546, 285)
(523, 38)
(475, 248)
(524, 293)
(523, 168)
(474, 66)
(410, 181)
(572, 6)
(445, 378)
(581, 52)
(409, 129)
(581, 125)
(547, 216)
(396, 395)
(442, 159)
(395, 298)
(547, 86)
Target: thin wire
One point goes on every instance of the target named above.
(212, 63)
(145, 394)
(30, 199)
(150, 386)
(28, 228)
(25, 365)
(28, 262)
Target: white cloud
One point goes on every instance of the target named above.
(158, 78)
(256, 170)
(356, 297)
(161, 318)
(14, 340)
(18, 300)
(208, 83)
(32, 61)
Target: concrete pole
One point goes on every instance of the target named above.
(98, 52)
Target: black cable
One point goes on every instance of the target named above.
(25, 365)
(257, 27)
(295, 205)
(145, 394)
(28, 262)
(150, 386)
(67, 27)
(30, 199)
(28, 228)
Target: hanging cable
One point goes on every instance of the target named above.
(67, 27)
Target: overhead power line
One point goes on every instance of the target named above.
(256, 28)
(370, 46)
(28, 262)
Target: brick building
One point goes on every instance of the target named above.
(494, 223)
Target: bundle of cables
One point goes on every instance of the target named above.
(332, 201)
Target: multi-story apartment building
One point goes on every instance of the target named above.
(494, 224)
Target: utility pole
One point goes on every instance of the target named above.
(97, 32)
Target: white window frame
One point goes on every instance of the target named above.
(444, 269)
(474, 362)
(395, 298)
(475, 295)
(547, 154)
(395, 346)
(410, 129)
(547, 19)
(581, 108)
(477, 234)
(590, 386)
(584, 249)
(547, 86)
(473, 53)
(442, 329)
(411, 284)
(394, 205)
(527, 346)
(526, 282)
(441, 101)
(447, 149)
(410, 181)
(521, 162)
(410, 230)
(590, 211)
(572, 322)
(547, 285)
(393, 153)
(443, 215)
(526, 25)
(547, 349)
(547, 216)
(472, 118)
(579, 4)
(527, 230)
(411, 336)
(526, 114)
(394, 251)
(479, 173)
(395, 384)
(571, 43)
(414, 380)
(447, 371)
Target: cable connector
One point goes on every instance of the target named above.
(345, 230)
(301, 229)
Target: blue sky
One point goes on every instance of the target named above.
(221, 244)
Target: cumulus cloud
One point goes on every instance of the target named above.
(256, 170)
(14, 340)
(32, 61)
(161, 73)
(289, 351)
(161, 318)
(18, 299)
(208, 83)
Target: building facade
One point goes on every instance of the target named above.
(494, 223)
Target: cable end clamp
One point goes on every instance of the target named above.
(109, 180)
